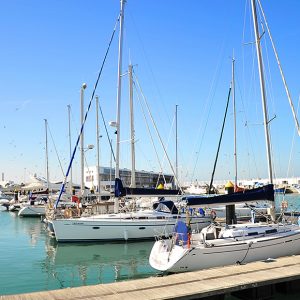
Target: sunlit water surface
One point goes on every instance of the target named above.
(31, 260)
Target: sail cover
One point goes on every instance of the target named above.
(262, 193)
(181, 231)
(169, 204)
(121, 191)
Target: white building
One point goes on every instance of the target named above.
(107, 178)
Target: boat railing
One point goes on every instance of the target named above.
(76, 211)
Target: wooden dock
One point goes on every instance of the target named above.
(191, 285)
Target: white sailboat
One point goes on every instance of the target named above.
(218, 245)
(125, 225)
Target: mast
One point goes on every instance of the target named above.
(234, 124)
(117, 171)
(263, 98)
(46, 149)
(98, 147)
(117, 175)
(176, 147)
(70, 146)
(83, 87)
(262, 89)
(132, 135)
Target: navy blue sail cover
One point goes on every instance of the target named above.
(262, 193)
(169, 204)
(121, 191)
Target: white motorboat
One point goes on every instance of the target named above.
(125, 226)
(32, 208)
(4, 199)
(196, 189)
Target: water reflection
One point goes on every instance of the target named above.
(31, 260)
(86, 263)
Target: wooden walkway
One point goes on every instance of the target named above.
(190, 285)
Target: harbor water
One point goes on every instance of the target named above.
(31, 260)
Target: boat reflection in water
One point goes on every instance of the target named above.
(85, 264)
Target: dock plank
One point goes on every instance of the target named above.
(181, 286)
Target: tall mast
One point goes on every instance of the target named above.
(176, 147)
(117, 175)
(98, 147)
(262, 89)
(46, 149)
(70, 146)
(132, 134)
(83, 87)
(234, 124)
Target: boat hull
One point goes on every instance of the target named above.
(122, 229)
(181, 259)
(32, 211)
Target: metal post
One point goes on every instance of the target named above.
(47, 165)
(132, 135)
(98, 147)
(234, 125)
(83, 87)
(263, 98)
(176, 148)
(119, 88)
(70, 146)
(262, 89)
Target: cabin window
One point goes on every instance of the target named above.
(96, 227)
(274, 230)
(252, 233)
(210, 236)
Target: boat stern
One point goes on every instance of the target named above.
(165, 254)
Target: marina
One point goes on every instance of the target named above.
(42, 264)
(124, 232)
(238, 280)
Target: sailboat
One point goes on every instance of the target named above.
(219, 245)
(123, 225)
(37, 207)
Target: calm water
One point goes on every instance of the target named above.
(30, 260)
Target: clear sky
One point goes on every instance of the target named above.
(181, 52)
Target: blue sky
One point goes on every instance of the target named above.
(181, 51)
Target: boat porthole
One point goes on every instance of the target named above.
(96, 227)
(142, 228)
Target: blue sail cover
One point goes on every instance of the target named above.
(262, 193)
(121, 191)
(169, 204)
(181, 231)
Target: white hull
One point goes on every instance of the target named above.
(120, 227)
(32, 211)
(212, 254)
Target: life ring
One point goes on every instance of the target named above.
(213, 214)
(67, 213)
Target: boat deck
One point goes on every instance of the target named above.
(189, 285)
